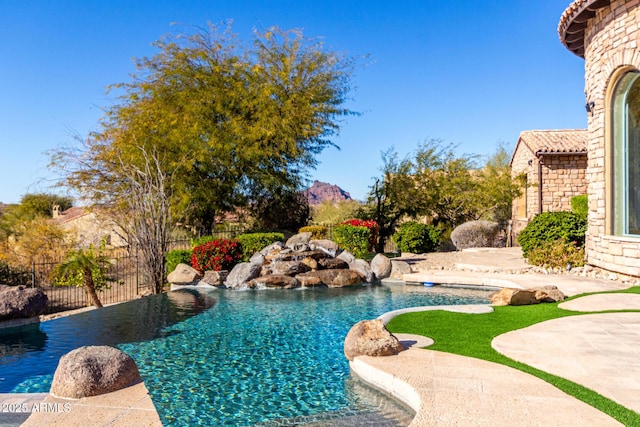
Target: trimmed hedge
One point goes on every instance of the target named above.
(417, 238)
(255, 242)
(318, 232)
(175, 257)
(354, 239)
(552, 226)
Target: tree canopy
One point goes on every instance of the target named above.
(211, 124)
(231, 121)
(444, 187)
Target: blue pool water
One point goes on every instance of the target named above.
(223, 357)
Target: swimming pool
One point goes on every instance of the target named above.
(225, 357)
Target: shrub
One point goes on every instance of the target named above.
(318, 232)
(478, 234)
(417, 238)
(371, 225)
(580, 205)
(175, 257)
(552, 226)
(254, 242)
(220, 254)
(557, 254)
(201, 240)
(354, 239)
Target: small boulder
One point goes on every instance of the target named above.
(257, 259)
(184, 275)
(370, 338)
(241, 274)
(381, 266)
(215, 278)
(17, 302)
(93, 370)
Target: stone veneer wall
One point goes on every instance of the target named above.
(611, 44)
(563, 176)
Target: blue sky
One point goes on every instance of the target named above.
(470, 73)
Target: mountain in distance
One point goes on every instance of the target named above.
(321, 191)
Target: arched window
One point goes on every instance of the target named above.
(626, 155)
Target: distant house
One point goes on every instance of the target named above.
(554, 163)
(606, 34)
(90, 227)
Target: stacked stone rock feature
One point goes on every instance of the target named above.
(300, 262)
(17, 302)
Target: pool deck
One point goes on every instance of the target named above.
(599, 351)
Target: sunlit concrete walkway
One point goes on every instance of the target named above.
(598, 351)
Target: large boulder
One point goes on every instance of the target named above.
(299, 242)
(363, 268)
(241, 274)
(288, 268)
(399, 269)
(548, 293)
(279, 281)
(509, 296)
(184, 275)
(93, 370)
(330, 278)
(327, 246)
(478, 234)
(346, 256)
(332, 264)
(370, 338)
(17, 302)
(381, 266)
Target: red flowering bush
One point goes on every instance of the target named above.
(220, 254)
(371, 225)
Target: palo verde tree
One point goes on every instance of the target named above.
(206, 125)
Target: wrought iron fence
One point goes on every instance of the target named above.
(128, 283)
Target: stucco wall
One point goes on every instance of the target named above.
(611, 45)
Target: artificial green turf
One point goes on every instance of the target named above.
(471, 335)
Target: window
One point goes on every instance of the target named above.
(626, 155)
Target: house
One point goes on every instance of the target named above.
(554, 163)
(606, 34)
(90, 227)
